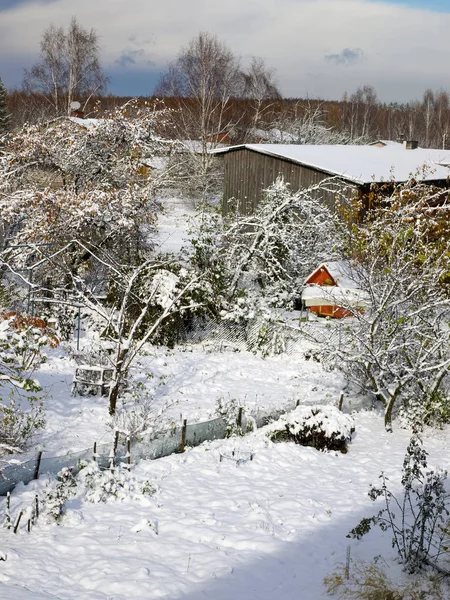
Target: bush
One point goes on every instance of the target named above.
(322, 427)
(17, 425)
(419, 523)
(112, 485)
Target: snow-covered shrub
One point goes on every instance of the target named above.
(57, 494)
(322, 427)
(22, 340)
(111, 485)
(20, 417)
(419, 521)
(138, 413)
(235, 416)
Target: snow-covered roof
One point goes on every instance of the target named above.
(361, 164)
(341, 271)
(387, 143)
(319, 295)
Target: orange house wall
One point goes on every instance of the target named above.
(336, 312)
(321, 277)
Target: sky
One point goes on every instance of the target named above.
(318, 48)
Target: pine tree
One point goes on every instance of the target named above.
(4, 114)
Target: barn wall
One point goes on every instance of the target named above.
(247, 173)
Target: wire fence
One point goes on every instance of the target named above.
(269, 337)
(122, 450)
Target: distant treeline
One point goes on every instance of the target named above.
(357, 116)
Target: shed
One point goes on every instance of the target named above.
(251, 168)
(332, 290)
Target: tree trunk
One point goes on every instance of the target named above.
(114, 389)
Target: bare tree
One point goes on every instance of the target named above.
(69, 67)
(202, 81)
(261, 88)
(428, 114)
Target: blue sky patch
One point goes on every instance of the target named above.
(434, 5)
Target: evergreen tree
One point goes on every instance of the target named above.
(4, 114)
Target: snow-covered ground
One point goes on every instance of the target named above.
(174, 223)
(189, 383)
(270, 528)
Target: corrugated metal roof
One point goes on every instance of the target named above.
(361, 164)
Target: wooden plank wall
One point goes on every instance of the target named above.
(248, 173)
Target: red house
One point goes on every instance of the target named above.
(332, 291)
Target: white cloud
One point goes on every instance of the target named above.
(405, 50)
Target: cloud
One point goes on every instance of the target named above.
(130, 58)
(408, 54)
(346, 57)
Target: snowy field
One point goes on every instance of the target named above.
(188, 383)
(270, 528)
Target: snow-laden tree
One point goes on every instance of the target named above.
(398, 348)
(306, 124)
(259, 261)
(82, 179)
(141, 300)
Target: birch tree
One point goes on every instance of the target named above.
(69, 67)
(201, 81)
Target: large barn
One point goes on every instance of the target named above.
(251, 168)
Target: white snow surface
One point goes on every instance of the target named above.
(331, 295)
(361, 164)
(189, 382)
(261, 529)
(173, 224)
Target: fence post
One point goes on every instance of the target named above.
(183, 436)
(38, 465)
(17, 523)
(239, 417)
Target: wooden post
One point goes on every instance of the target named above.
(341, 401)
(251, 456)
(347, 564)
(16, 526)
(239, 417)
(36, 507)
(183, 436)
(297, 403)
(94, 456)
(129, 453)
(114, 451)
(29, 525)
(38, 465)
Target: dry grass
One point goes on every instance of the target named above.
(369, 581)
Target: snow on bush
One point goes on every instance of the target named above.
(93, 485)
(109, 485)
(322, 427)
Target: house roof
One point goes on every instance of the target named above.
(361, 164)
(341, 271)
